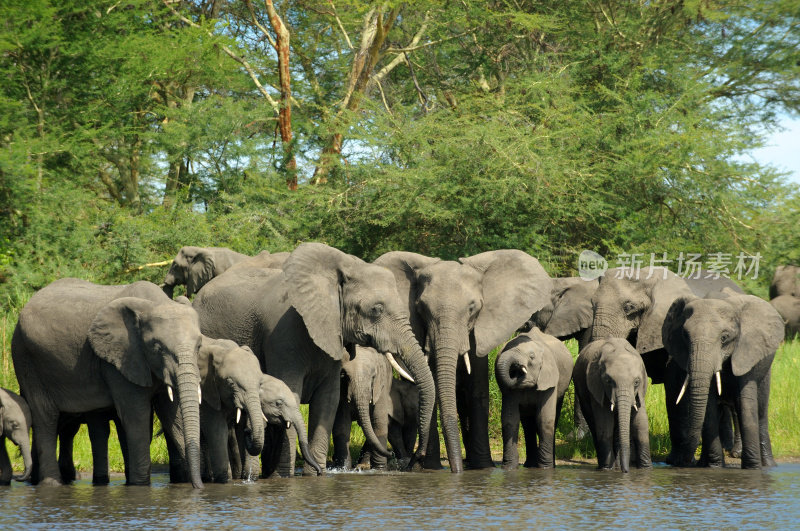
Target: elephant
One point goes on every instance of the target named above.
(98, 424)
(460, 311)
(533, 373)
(15, 423)
(632, 304)
(723, 345)
(789, 308)
(568, 315)
(264, 260)
(365, 396)
(302, 320)
(611, 383)
(80, 347)
(195, 266)
(403, 418)
(785, 281)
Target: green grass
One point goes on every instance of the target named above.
(784, 428)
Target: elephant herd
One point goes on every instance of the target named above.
(226, 372)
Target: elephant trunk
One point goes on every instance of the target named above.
(414, 359)
(606, 325)
(503, 370)
(363, 397)
(623, 407)
(188, 391)
(700, 376)
(446, 360)
(295, 417)
(25, 448)
(254, 441)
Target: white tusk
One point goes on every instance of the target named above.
(199, 394)
(612, 406)
(683, 390)
(399, 369)
(719, 384)
(239, 415)
(288, 424)
(635, 407)
(265, 417)
(466, 362)
(524, 370)
(169, 394)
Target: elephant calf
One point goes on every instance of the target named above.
(533, 372)
(15, 423)
(611, 383)
(403, 413)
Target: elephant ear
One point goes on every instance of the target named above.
(314, 274)
(672, 331)
(515, 286)
(593, 374)
(211, 352)
(761, 330)
(548, 375)
(115, 338)
(404, 266)
(572, 306)
(662, 289)
(201, 270)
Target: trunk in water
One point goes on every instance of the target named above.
(255, 442)
(362, 404)
(412, 356)
(623, 408)
(296, 418)
(188, 387)
(25, 449)
(446, 360)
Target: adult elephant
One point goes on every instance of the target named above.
(724, 345)
(195, 266)
(263, 260)
(302, 320)
(785, 281)
(460, 311)
(15, 425)
(80, 347)
(789, 308)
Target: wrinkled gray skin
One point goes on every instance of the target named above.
(633, 305)
(366, 383)
(736, 336)
(403, 419)
(195, 266)
(533, 372)
(568, 315)
(114, 346)
(785, 281)
(789, 308)
(15, 424)
(302, 320)
(466, 307)
(611, 384)
(263, 260)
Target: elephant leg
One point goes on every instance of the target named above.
(546, 430)
(172, 427)
(479, 454)
(463, 407)
(711, 454)
(99, 432)
(68, 426)
(581, 426)
(396, 440)
(529, 431)
(234, 457)
(605, 428)
(123, 443)
(321, 415)
(641, 436)
(6, 472)
(510, 419)
(748, 418)
(673, 381)
(433, 455)
(214, 429)
(45, 435)
(342, 426)
(273, 460)
(135, 414)
(763, 420)
(380, 424)
(726, 428)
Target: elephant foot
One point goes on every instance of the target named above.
(100, 480)
(50, 482)
(479, 463)
(430, 463)
(768, 461)
(736, 451)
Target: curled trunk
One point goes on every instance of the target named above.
(25, 449)
(188, 386)
(254, 441)
(296, 418)
(503, 371)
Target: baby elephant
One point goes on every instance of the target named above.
(15, 422)
(533, 372)
(610, 384)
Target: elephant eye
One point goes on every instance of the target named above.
(376, 310)
(629, 308)
(726, 337)
(472, 307)
(636, 382)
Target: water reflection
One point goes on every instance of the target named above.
(565, 497)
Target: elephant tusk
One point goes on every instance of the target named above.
(635, 407)
(683, 389)
(239, 415)
(265, 417)
(169, 394)
(524, 370)
(399, 369)
(199, 394)
(612, 406)
(466, 362)
(719, 384)
(288, 424)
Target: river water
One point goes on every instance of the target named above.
(567, 497)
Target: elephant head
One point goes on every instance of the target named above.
(15, 423)
(368, 377)
(480, 301)
(785, 281)
(527, 363)
(195, 266)
(344, 302)
(230, 377)
(617, 381)
(151, 343)
(279, 407)
(702, 335)
(632, 304)
(569, 309)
